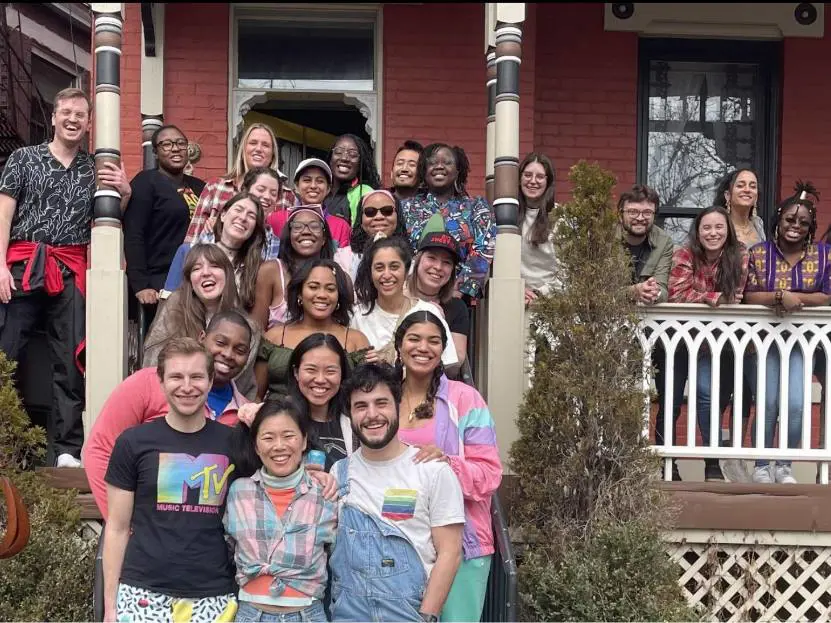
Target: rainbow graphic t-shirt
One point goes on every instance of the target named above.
(399, 504)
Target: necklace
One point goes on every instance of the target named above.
(410, 409)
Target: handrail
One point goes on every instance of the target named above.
(502, 596)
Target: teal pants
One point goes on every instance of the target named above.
(467, 594)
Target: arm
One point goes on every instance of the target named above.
(202, 212)
(480, 471)
(7, 207)
(474, 272)
(136, 224)
(116, 176)
(268, 281)
(116, 536)
(177, 266)
(357, 341)
(662, 271)
(814, 299)
(682, 282)
(448, 543)
(261, 375)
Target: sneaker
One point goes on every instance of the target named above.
(712, 471)
(67, 460)
(762, 475)
(784, 475)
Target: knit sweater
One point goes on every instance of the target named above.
(539, 266)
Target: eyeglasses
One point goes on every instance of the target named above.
(315, 226)
(635, 213)
(340, 152)
(168, 144)
(384, 210)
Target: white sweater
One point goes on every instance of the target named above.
(539, 263)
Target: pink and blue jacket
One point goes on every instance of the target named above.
(465, 432)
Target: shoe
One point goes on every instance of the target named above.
(712, 471)
(762, 475)
(784, 475)
(676, 475)
(67, 460)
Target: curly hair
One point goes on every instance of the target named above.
(288, 254)
(425, 409)
(365, 289)
(725, 186)
(367, 171)
(802, 190)
(342, 313)
(462, 166)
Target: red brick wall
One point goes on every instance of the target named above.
(130, 89)
(805, 138)
(586, 92)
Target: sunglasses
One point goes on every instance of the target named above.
(384, 210)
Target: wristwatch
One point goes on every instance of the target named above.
(429, 618)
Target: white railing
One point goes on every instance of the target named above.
(741, 329)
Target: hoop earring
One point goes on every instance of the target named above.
(456, 187)
(300, 301)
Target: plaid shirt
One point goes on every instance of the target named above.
(688, 285)
(770, 271)
(470, 221)
(214, 196)
(291, 548)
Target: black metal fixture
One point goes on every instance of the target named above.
(623, 10)
(805, 14)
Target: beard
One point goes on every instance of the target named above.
(629, 230)
(392, 431)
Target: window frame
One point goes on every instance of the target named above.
(768, 56)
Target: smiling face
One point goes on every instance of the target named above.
(745, 190)
(378, 214)
(434, 270)
(266, 189)
(712, 232)
(312, 186)
(238, 223)
(172, 150)
(71, 120)
(421, 348)
(374, 416)
(533, 181)
(319, 294)
(229, 344)
(207, 281)
(280, 444)
(186, 383)
(637, 217)
(259, 150)
(405, 169)
(794, 225)
(319, 375)
(345, 160)
(442, 171)
(388, 273)
(306, 234)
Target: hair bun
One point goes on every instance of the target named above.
(379, 235)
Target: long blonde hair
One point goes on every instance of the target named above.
(239, 169)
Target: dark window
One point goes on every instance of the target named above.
(277, 54)
(706, 107)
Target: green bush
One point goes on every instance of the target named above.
(586, 504)
(51, 579)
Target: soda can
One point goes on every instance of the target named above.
(316, 457)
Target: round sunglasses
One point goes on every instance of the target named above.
(385, 211)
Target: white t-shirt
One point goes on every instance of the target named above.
(414, 497)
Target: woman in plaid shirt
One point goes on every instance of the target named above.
(277, 520)
(711, 269)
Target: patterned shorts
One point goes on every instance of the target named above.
(138, 605)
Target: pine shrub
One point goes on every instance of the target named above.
(587, 505)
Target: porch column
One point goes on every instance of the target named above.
(506, 300)
(152, 77)
(106, 351)
(490, 61)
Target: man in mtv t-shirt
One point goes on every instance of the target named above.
(399, 539)
(165, 556)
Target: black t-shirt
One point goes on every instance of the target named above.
(640, 253)
(180, 481)
(457, 315)
(329, 438)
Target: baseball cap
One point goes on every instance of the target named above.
(312, 162)
(440, 240)
(317, 210)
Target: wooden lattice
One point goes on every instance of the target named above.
(756, 581)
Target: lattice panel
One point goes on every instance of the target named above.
(756, 582)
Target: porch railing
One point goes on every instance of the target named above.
(750, 334)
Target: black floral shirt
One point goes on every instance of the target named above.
(54, 203)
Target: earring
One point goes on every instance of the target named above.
(337, 306)
(300, 301)
(728, 206)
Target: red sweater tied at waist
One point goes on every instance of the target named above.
(42, 265)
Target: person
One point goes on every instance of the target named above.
(318, 367)
(46, 200)
(451, 420)
(394, 502)
(319, 301)
(380, 215)
(306, 235)
(788, 273)
(738, 193)
(208, 287)
(312, 181)
(538, 259)
(469, 220)
(164, 544)
(712, 269)
(277, 521)
(404, 174)
(353, 175)
(229, 338)
(258, 148)
(157, 217)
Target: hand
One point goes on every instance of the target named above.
(430, 453)
(148, 296)
(114, 176)
(791, 302)
(371, 356)
(6, 284)
(209, 223)
(530, 296)
(326, 480)
(247, 412)
(644, 292)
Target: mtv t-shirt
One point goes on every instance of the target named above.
(180, 480)
(414, 497)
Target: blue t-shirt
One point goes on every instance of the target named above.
(219, 397)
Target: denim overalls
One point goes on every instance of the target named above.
(377, 574)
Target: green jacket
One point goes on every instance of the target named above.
(659, 262)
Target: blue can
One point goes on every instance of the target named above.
(316, 457)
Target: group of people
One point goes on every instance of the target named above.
(730, 258)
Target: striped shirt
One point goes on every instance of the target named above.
(770, 271)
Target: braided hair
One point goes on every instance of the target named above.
(367, 171)
(802, 190)
(462, 165)
(425, 409)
